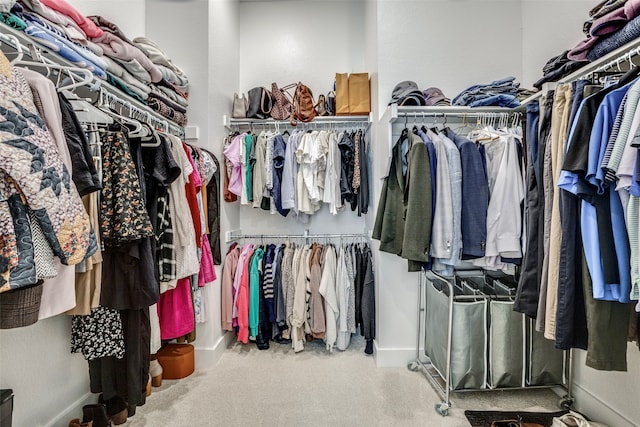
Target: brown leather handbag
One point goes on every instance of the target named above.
(304, 107)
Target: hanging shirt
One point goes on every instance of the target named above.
(605, 215)
(290, 173)
(342, 291)
(279, 154)
(328, 291)
(259, 171)
(187, 262)
(255, 282)
(233, 153)
(331, 194)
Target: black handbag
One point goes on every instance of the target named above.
(260, 103)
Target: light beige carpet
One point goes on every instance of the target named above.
(277, 387)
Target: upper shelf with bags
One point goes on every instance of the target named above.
(296, 103)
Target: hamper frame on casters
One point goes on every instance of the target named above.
(441, 385)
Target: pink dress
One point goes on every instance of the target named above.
(175, 310)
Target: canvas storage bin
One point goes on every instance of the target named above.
(545, 363)
(506, 348)
(468, 338)
(507, 332)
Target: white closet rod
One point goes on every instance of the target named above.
(432, 114)
(320, 123)
(232, 237)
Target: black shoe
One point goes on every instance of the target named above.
(96, 413)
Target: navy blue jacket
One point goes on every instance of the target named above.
(475, 197)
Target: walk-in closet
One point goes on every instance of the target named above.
(204, 261)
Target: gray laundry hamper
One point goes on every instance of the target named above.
(467, 366)
(545, 363)
(507, 343)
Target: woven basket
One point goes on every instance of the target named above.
(20, 307)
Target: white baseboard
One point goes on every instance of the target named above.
(393, 357)
(597, 410)
(73, 411)
(207, 357)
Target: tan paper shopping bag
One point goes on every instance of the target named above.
(342, 94)
(359, 94)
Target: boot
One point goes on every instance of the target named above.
(155, 370)
(117, 410)
(97, 414)
(77, 423)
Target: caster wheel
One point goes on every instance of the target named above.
(442, 409)
(413, 366)
(566, 402)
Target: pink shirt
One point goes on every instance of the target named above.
(232, 152)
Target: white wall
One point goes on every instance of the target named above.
(223, 71)
(549, 27)
(447, 44)
(291, 41)
(187, 44)
(450, 45)
(308, 42)
(128, 15)
(227, 46)
(46, 379)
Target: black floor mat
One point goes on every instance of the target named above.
(485, 418)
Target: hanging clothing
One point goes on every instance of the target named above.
(328, 291)
(228, 275)
(67, 230)
(317, 322)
